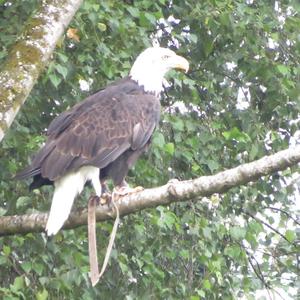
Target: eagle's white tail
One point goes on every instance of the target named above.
(66, 189)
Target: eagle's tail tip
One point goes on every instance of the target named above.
(66, 189)
(52, 229)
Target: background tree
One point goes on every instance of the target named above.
(239, 102)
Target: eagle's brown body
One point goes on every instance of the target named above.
(108, 130)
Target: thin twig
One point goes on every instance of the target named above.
(258, 272)
(258, 266)
(284, 212)
(267, 225)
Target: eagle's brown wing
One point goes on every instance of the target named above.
(97, 131)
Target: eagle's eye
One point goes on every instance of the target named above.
(164, 57)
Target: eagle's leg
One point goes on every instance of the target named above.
(106, 194)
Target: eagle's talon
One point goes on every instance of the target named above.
(105, 198)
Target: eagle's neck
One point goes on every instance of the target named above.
(152, 82)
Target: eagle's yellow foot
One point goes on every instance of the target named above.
(105, 198)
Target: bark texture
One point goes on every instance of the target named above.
(173, 191)
(30, 54)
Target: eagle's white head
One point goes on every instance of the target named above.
(151, 66)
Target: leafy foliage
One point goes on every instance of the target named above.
(240, 101)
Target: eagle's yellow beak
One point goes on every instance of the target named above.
(181, 63)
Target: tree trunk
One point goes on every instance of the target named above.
(30, 54)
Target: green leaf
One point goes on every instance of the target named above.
(3, 260)
(233, 251)
(255, 226)
(124, 267)
(19, 283)
(6, 250)
(184, 253)
(133, 11)
(23, 201)
(102, 27)
(207, 232)
(290, 235)
(55, 80)
(169, 148)
(253, 152)
(283, 69)
(237, 233)
(208, 46)
(206, 284)
(219, 277)
(158, 140)
(193, 38)
(62, 57)
(38, 268)
(3, 211)
(62, 70)
(151, 18)
(225, 19)
(213, 165)
(201, 293)
(26, 266)
(236, 134)
(178, 124)
(43, 295)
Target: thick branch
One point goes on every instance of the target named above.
(30, 54)
(171, 192)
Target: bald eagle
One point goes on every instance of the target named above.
(102, 136)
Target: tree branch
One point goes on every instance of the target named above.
(267, 225)
(258, 272)
(284, 212)
(173, 191)
(30, 54)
